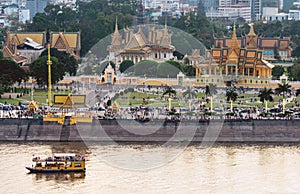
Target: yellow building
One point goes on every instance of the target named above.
(25, 47)
(233, 64)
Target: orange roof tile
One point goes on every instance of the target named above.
(268, 43)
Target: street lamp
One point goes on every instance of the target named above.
(49, 62)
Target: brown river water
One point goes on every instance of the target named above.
(128, 169)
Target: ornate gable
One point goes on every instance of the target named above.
(60, 44)
(136, 42)
(251, 39)
(7, 52)
(234, 48)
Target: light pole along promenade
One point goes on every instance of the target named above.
(49, 62)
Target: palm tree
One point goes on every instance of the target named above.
(171, 92)
(297, 92)
(285, 90)
(191, 93)
(231, 96)
(265, 95)
(211, 90)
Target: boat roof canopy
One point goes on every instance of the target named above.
(64, 154)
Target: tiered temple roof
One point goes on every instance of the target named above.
(15, 43)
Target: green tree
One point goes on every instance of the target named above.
(265, 95)
(125, 65)
(10, 72)
(198, 25)
(168, 90)
(231, 96)
(285, 90)
(55, 18)
(168, 69)
(70, 64)
(190, 93)
(296, 52)
(146, 68)
(94, 18)
(189, 70)
(276, 53)
(39, 70)
(277, 71)
(211, 90)
(298, 92)
(294, 71)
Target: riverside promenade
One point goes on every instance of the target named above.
(260, 131)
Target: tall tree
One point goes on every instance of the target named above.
(190, 93)
(211, 90)
(146, 68)
(168, 69)
(231, 96)
(70, 64)
(277, 71)
(285, 90)
(276, 53)
(265, 95)
(10, 72)
(39, 70)
(125, 65)
(298, 92)
(168, 90)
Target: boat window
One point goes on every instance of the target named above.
(77, 164)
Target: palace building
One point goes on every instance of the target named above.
(26, 47)
(233, 61)
(140, 43)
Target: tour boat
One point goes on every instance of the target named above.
(60, 162)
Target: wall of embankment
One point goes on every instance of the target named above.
(273, 131)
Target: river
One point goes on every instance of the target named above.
(218, 169)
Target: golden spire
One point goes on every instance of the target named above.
(251, 33)
(7, 36)
(116, 26)
(116, 38)
(234, 41)
(166, 27)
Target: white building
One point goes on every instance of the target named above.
(271, 14)
(24, 15)
(255, 6)
(242, 10)
(165, 5)
(63, 2)
(294, 14)
(225, 3)
(3, 21)
(297, 4)
(10, 10)
(232, 16)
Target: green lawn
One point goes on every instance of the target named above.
(39, 96)
(155, 100)
(10, 101)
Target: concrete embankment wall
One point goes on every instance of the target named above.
(154, 131)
